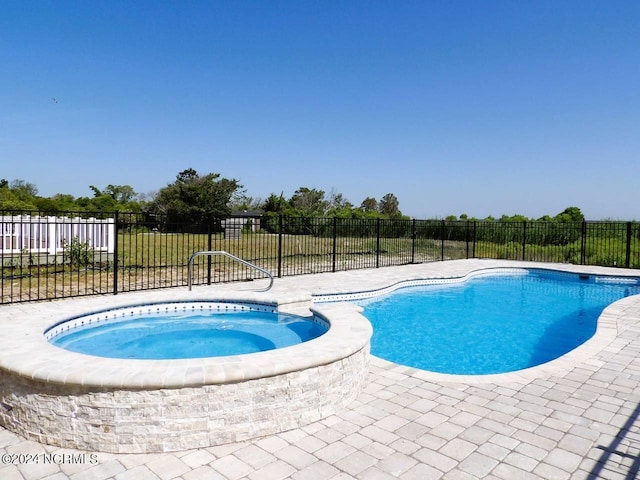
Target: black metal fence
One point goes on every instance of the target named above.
(48, 257)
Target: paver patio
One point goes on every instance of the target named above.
(566, 420)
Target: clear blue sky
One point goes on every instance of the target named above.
(477, 107)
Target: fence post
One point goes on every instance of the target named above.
(335, 243)
(524, 239)
(116, 266)
(466, 237)
(378, 243)
(280, 246)
(475, 237)
(210, 248)
(413, 241)
(583, 241)
(627, 261)
(442, 228)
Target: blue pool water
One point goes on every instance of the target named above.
(490, 324)
(191, 335)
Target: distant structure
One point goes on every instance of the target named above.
(241, 220)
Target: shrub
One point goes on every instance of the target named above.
(78, 253)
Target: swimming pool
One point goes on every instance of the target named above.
(184, 330)
(493, 322)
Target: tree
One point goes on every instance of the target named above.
(275, 204)
(113, 197)
(570, 214)
(15, 206)
(103, 203)
(24, 191)
(338, 202)
(389, 206)
(195, 198)
(369, 204)
(48, 205)
(18, 196)
(339, 206)
(309, 201)
(513, 218)
(122, 193)
(242, 201)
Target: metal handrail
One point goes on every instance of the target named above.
(226, 254)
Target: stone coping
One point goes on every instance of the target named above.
(27, 353)
(375, 279)
(366, 294)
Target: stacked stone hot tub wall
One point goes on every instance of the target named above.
(130, 406)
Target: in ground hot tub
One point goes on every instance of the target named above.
(177, 330)
(127, 405)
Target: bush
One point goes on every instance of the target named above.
(78, 253)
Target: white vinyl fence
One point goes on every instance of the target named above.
(48, 235)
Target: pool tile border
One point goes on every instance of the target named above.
(148, 309)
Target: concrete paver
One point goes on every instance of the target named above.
(566, 421)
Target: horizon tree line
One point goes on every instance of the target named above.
(201, 198)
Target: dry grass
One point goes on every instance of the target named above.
(158, 260)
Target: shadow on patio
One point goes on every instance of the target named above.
(622, 455)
